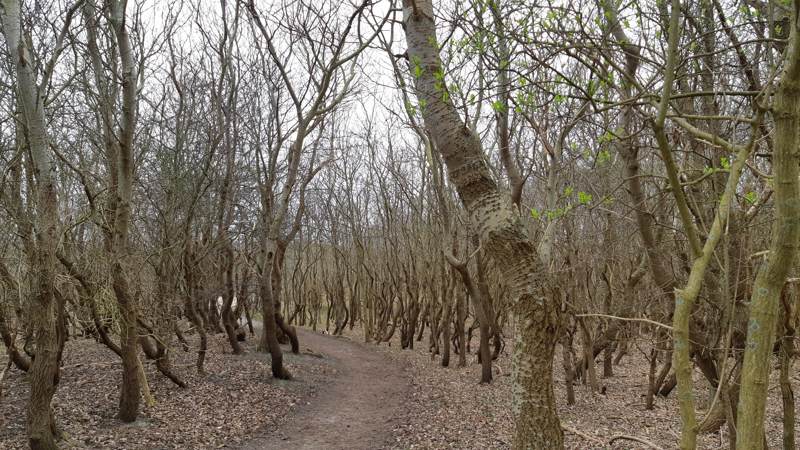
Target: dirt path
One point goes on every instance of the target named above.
(353, 406)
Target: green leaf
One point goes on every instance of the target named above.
(607, 137)
(417, 71)
(535, 213)
(584, 198)
(411, 109)
(725, 163)
(603, 157)
(591, 88)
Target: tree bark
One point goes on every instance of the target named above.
(44, 369)
(501, 234)
(269, 339)
(228, 322)
(765, 300)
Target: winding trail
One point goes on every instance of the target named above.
(353, 405)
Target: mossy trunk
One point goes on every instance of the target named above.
(765, 300)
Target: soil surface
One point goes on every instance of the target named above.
(354, 407)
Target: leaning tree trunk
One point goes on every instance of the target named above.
(21, 361)
(765, 300)
(501, 233)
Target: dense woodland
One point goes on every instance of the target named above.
(569, 183)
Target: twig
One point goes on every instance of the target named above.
(635, 439)
(628, 319)
(582, 434)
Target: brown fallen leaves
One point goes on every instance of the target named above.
(447, 408)
(237, 397)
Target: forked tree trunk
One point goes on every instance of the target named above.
(44, 369)
(501, 234)
(120, 165)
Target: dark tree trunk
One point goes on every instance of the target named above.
(269, 338)
(228, 320)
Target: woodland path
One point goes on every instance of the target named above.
(353, 406)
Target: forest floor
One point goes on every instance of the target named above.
(448, 408)
(236, 397)
(355, 409)
(345, 394)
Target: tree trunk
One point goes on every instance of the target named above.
(130, 390)
(192, 314)
(277, 290)
(18, 359)
(608, 368)
(651, 380)
(446, 319)
(228, 322)
(44, 371)
(479, 305)
(568, 357)
(586, 340)
(787, 394)
(765, 300)
(269, 338)
(158, 353)
(461, 317)
(501, 234)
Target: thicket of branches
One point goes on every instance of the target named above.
(606, 176)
